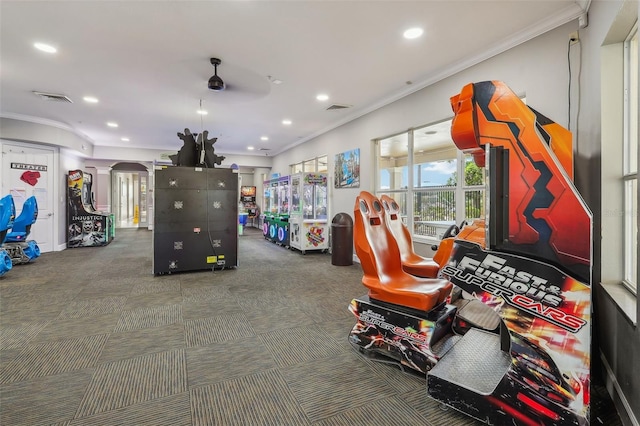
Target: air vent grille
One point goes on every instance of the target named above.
(338, 106)
(53, 97)
(265, 149)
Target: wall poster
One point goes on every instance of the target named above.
(347, 169)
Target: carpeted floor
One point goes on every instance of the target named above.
(89, 336)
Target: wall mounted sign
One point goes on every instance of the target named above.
(23, 166)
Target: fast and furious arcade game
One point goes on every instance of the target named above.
(534, 268)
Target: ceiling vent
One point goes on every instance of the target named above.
(338, 106)
(53, 97)
(265, 149)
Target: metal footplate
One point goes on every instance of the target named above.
(478, 314)
(469, 373)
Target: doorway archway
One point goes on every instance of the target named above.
(129, 195)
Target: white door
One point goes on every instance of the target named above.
(28, 171)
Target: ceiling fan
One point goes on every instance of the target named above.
(215, 82)
(245, 85)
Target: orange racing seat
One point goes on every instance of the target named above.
(380, 259)
(412, 263)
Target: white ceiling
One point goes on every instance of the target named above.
(148, 62)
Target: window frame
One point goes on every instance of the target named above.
(312, 165)
(630, 175)
(409, 191)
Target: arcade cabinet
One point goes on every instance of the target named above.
(249, 207)
(276, 210)
(85, 226)
(308, 223)
(196, 219)
(510, 342)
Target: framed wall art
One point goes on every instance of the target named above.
(347, 169)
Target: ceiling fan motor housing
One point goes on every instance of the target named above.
(215, 82)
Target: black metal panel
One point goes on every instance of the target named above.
(181, 178)
(178, 252)
(194, 204)
(179, 206)
(223, 181)
(196, 178)
(196, 219)
(198, 226)
(498, 197)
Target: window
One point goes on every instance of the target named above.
(444, 186)
(296, 168)
(630, 176)
(318, 164)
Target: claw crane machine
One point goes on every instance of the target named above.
(308, 222)
(277, 194)
(269, 209)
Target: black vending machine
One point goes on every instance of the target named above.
(196, 219)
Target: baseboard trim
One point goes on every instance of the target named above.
(61, 247)
(619, 399)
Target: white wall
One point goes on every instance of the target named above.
(68, 161)
(537, 69)
(44, 132)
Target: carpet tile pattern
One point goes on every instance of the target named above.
(92, 307)
(172, 410)
(216, 363)
(295, 345)
(154, 316)
(134, 380)
(257, 399)
(43, 400)
(53, 358)
(89, 336)
(17, 337)
(216, 329)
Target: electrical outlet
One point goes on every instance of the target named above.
(573, 38)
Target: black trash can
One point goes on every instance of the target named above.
(342, 240)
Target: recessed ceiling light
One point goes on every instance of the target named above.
(250, 148)
(45, 47)
(413, 33)
(112, 124)
(90, 99)
(322, 97)
(125, 139)
(286, 122)
(202, 112)
(264, 138)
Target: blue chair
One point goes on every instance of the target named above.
(22, 224)
(16, 244)
(7, 216)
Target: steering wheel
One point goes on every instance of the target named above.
(451, 231)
